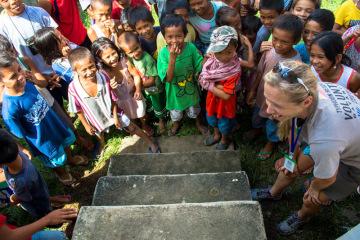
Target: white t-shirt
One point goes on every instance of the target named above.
(332, 132)
(19, 28)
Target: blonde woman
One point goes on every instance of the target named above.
(321, 116)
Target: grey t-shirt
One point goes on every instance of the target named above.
(19, 28)
(332, 132)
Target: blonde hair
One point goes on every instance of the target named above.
(296, 92)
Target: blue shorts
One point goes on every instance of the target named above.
(224, 124)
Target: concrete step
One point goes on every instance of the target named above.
(202, 221)
(168, 189)
(190, 143)
(174, 163)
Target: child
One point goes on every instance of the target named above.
(326, 56)
(319, 21)
(146, 67)
(118, 7)
(203, 19)
(220, 75)
(250, 27)
(141, 20)
(352, 47)
(30, 190)
(90, 98)
(347, 15)
(269, 11)
(122, 81)
(104, 26)
(182, 8)
(303, 8)
(286, 32)
(27, 115)
(178, 66)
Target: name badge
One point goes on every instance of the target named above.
(289, 163)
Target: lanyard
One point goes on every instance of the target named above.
(294, 139)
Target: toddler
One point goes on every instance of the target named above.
(178, 66)
(220, 75)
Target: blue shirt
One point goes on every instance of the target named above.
(62, 68)
(29, 116)
(301, 48)
(30, 188)
(150, 46)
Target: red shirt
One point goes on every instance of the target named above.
(3, 222)
(223, 108)
(117, 9)
(66, 14)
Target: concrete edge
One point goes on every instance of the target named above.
(175, 153)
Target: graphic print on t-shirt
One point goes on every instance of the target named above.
(38, 111)
(185, 85)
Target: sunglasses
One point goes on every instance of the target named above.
(289, 75)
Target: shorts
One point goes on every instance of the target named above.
(124, 120)
(225, 125)
(347, 181)
(191, 112)
(269, 125)
(47, 234)
(59, 160)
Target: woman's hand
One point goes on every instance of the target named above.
(312, 195)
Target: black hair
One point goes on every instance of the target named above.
(172, 5)
(79, 54)
(6, 59)
(222, 15)
(104, 2)
(277, 5)
(325, 18)
(99, 45)
(5, 44)
(139, 14)
(172, 20)
(251, 24)
(332, 45)
(128, 37)
(290, 23)
(8, 147)
(317, 3)
(47, 44)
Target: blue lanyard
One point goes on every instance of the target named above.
(293, 139)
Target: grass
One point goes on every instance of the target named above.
(330, 224)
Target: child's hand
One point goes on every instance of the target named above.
(110, 24)
(138, 95)
(174, 51)
(27, 153)
(29, 76)
(113, 83)
(117, 122)
(265, 46)
(54, 81)
(14, 200)
(90, 129)
(251, 98)
(246, 42)
(60, 216)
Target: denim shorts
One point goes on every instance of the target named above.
(49, 235)
(225, 125)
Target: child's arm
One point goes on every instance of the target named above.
(219, 92)
(115, 115)
(354, 84)
(137, 81)
(91, 34)
(250, 63)
(148, 81)
(174, 51)
(35, 75)
(89, 129)
(25, 232)
(250, 98)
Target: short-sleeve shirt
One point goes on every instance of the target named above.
(62, 68)
(19, 28)
(117, 10)
(182, 92)
(97, 110)
(150, 46)
(304, 54)
(329, 131)
(190, 37)
(30, 188)
(220, 108)
(30, 117)
(353, 52)
(205, 27)
(347, 15)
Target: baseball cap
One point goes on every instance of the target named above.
(220, 38)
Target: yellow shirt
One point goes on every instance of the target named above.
(347, 15)
(190, 37)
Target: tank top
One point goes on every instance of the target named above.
(345, 75)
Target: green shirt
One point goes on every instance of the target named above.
(146, 66)
(182, 92)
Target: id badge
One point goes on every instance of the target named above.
(289, 163)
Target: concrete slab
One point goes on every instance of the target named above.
(168, 189)
(174, 163)
(205, 221)
(190, 143)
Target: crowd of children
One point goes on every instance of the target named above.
(206, 60)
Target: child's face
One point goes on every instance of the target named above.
(13, 78)
(86, 69)
(227, 54)
(13, 7)
(133, 50)
(200, 7)
(110, 57)
(282, 41)
(124, 3)
(100, 12)
(268, 17)
(145, 29)
(318, 59)
(311, 29)
(303, 9)
(64, 47)
(184, 13)
(174, 36)
(235, 22)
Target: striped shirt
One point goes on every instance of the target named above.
(97, 110)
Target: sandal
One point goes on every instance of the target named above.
(80, 160)
(210, 140)
(158, 150)
(70, 181)
(222, 146)
(171, 132)
(263, 155)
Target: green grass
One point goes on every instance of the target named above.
(330, 224)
